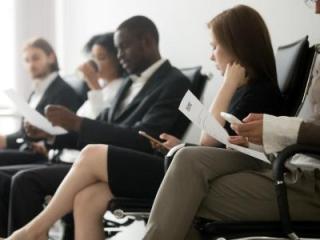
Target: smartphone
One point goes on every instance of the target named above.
(142, 133)
(230, 118)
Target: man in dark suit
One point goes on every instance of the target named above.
(148, 101)
(48, 88)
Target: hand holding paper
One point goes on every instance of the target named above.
(62, 116)
(192, 108)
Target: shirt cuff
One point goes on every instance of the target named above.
(279, 132)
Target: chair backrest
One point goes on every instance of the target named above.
(198, 81)
(293, 65)
(305, 109)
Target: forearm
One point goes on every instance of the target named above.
(309, 134)
(98, 132)
(220, 104)
(69, 140)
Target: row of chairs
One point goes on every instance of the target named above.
(295, 63)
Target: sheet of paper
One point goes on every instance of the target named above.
(32, 116)
(193, 109)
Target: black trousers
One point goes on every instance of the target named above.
(4, 199)
(15, 157)
(10, 160)
(28, 191)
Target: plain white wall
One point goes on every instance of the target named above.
(182, 24)
(33, 18)
(184, 38)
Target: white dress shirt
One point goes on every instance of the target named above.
(139, 82)
(279, 132)
(39, 88)
(99, 100)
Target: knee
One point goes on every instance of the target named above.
(185, 158)
(88, 155)
(21, 180)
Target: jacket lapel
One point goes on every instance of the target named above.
(120, 96)
(47, 94)
(151, 84)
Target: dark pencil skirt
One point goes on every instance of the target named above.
(134, 174)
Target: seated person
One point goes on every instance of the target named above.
(147, 101)
(103, 82)
(103, 75)
(104, 79)
(226, 185)
(97, 175)
(48, 88)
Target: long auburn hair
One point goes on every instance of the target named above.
(243, 33)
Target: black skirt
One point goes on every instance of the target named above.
(134, 174)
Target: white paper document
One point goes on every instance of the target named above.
(193, 109)
(32, 116)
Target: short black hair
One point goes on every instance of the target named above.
(88, 46)
(104, 40)
(140, 25)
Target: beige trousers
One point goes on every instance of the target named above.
(223, 185)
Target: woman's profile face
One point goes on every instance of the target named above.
(220, 56)
(104, 61)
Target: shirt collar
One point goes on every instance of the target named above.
(40, 85)
(146, 74)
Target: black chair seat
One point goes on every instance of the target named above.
(130, 205)
(209, 228)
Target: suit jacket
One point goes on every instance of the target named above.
(58, 92)
(154, 110)
(309, 134)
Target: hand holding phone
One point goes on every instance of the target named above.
(152, 139)
(230, 118)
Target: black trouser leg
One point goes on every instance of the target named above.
(4, 200)
(28, 190)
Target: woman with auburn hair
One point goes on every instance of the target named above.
(243, 52)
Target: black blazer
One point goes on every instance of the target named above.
(58, 92)
(154, 110)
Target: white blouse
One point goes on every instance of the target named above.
(98, 100)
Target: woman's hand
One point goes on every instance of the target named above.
(235, 75)
(91, 75)
(169, 142)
